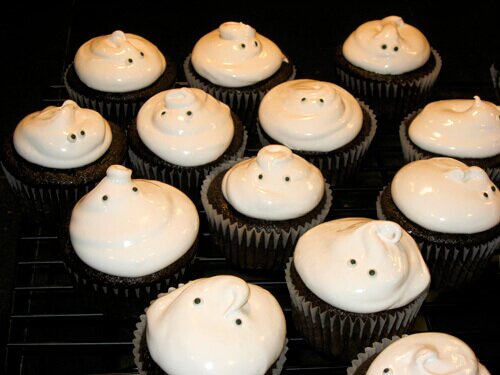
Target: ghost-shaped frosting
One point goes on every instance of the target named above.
(387, 46)
(119, 62)
(62, 137)
(218, 325)
(427, 353)
(274, 185)
(310, 115)
(361, 265)
(235, 55)
(132, 227)
(185, 126)
(447, 196)
(462, 128)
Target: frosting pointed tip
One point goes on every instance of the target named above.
(119, 174)
(179, 98)
(118, 36)
(388, 231)
(398, 21)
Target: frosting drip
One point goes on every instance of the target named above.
(445, 195)
(185, 126)
(218, 325)
(310, 115)
(62, 137)
(387, 46)
(130, 227)
(119, 62)
(427, 353)
(361, 265)
(235, 55)
(459, 128)
(269, 185)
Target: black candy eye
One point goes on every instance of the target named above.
(72, 138)
(260, 176)
(303, 99)
(163, 113)
(396, 49)
(383, 46)
(256, 43)
(130, 61)
(372, 273)
(352, 262)
(243, 45)
(197, 301)
(287, 178)
(189, 113)
(82, 133)
(387, 371)
(142, 54)
(321, 100)
(104, 197)
(493, 189)
(238, 322)
(134, 189)
(485, 194)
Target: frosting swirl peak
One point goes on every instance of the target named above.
(62, 137)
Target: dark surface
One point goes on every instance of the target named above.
(49, 331)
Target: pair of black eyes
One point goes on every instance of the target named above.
(106, 197)
(371, 272)
(243, 45)
(493, 189)
(197, 301)
(286, 178)
(72, 137)
(321, 100)
(384, 46)
(131, 61)
(188, 113)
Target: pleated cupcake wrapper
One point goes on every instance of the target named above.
(391, 101)
(370, 352)
(451, 267)
(411, 153)
(46, 201)
(121, 300)
(250, 248)
(495, 78)
(188, 180)
(119, 112)
(343, 337)
(139, 341)
(245, 104)
(338, 167)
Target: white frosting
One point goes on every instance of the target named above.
(387, 46)
(310, 115)
(427, 353)
(445, 195)
(62, 137)
(119, 62)
(234, 55)
(459, 128)
(274, 185)
(132, 228)
(361, 265)
(186, 126)
(219, 325)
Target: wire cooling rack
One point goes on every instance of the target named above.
(51, 331)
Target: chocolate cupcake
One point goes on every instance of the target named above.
(418, 353)
(180, 135)
(452, 211)
(56, 155)
(238, 66)
(354, 281)
(220, 325)
(389, 65)
(115, 74)
(467, 130)
(259, 207)
(128, 240)
(319, 121)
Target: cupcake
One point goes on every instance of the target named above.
(259, 207)
(422, 353)
(467, 130)
(319, 121)
(389, 65)
(56, 155)
(180, 135)
(452, 211)
(115, 74)
(218, 325)
(354, 281)
(129, 239)
(238, 66)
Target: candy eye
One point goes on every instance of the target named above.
(82, 133)
(287, 178)
(189, 113)
(104, 197)
(134, 189)
(321, 100)
(352, 262)
(130, 61)
(383, 46)
(493, 188)
(72, 138)
(303, 100)
(197, 301)
(142, 54)
(238, 322)
(485, 194)
(243, 45)
(260, 176)
(387, 371)
(396, 49)
(163, 113)
(372, 273)
(256, 43)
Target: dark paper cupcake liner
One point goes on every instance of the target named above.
(338, 166)
(495, 79)
(342, 334)
(451, 265)
(244, 102)
(412, 152)
(246, 245)
(360, 365)
(391, 101)
(146, 365)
